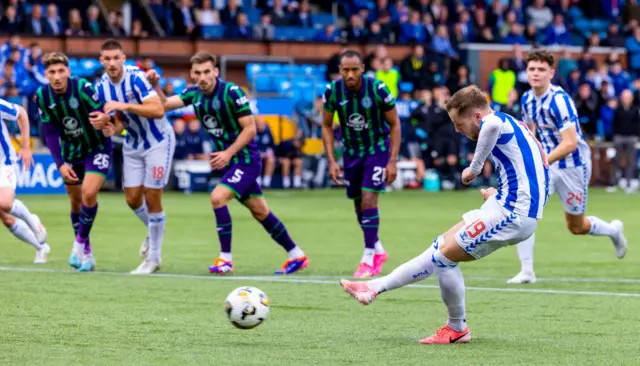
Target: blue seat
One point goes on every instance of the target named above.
(213, 31)
(252, 70)
(581, 24)
(130, 62)
(263, 83)
(273, 68)
(179, 84)
(294, 33)
(73, 64)
(87, 67)
(253, 15)
(322, 19)
(406, 87)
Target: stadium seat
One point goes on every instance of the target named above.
(179, 84)
(252, 70)
(322, 19)
(406, 87)
(213, 31)
(293, 33)
(87, 67)
(263, 83)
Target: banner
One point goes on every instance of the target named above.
(42, 178)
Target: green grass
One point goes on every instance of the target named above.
(109, 318)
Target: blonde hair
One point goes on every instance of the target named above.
(467, 98)
(55, 58)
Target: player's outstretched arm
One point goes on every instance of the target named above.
(568, 144)
(173, 102)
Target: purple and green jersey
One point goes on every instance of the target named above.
(220, 113)
(67, 116)
(365, 131)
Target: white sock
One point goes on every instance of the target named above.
(156, 233)
(78, 248)
(286, 182)
(297, 181)
(23, 232)
(452, 290)
(525, 253)
(600, 227)
(266, 181)
(225, 256)
(412, 271)
(367, 257)
(296, 252)
(21, 211)
(142, 213)
(379, 247)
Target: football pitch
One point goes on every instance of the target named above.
(585, 309)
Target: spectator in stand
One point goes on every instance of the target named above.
(184, 20)
(501, 81)
(412, 31)
(387, 26)
(594, 40)
(438, 9)
(518, 65)
(375, 35)
(429, 28)
(539, 14)
(557, 33)
(116, 21)
(586, 61)
(7, 76)
(207, 16)
(443, 141)
(11, 45)
(196, 141)
(515, 35)
(94, 28)
(9, 22)
(389, 75)
(619, 78)
(242, 29)
(513, 106)
(53, 22)
(264, 30)
(34, 23)
(614, 38)
(607, 111)
(356, 31)
(441, 42)
(466, 26)
(230, 12)
(458, 36)
(532, 35)
(480, 21)
(486, 36)
(516, 7)
(329, 34)
(566, 64)
(159, 11)
(136, 29)
(266, 146)
(626, 129)
(302, 16)
(75, 24)
(434, 78)
(34, 64)
(573, 82)
(505, 26)
(182, 151)
(279, 16)
(382, 8)
(632, 44)
(587, 106)
(414, 67)
(460, 80)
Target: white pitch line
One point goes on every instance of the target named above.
(326, 282)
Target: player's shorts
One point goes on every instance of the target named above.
(365, 174)
(493, 227)
(97, 162)
(9, 176)
(241, 179)
(572, 186)
(149, 168)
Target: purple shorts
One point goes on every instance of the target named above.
(97, 162)
(365, 174)
(242, 179)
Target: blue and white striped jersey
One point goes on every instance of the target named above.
(8, 112)
(142, 133)
(553, 113)
(521, 167)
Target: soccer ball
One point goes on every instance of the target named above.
(246, 307)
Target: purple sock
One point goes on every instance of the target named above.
(370, 221)
(278, 231)
(87, 216)
(75, 222)
(223, 224)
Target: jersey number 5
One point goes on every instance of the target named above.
(237, 176)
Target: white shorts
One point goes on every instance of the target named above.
(571, 185)
(149, 168)
(8, 176)
(493, 227)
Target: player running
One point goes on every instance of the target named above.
(225, 113)
(550, 110)
(81, 153)
(148, 147)
(13, 213)
(509, 215)
(371, 140)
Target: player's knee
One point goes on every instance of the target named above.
(260, 213)
(218, 200)
(133, 202)
(6, 204)
(89, 197)
(153, 198)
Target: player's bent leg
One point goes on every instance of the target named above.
(91, 185)
(220, 197)
(591, 225)
(9, 204)
(22, 231)
(525, 254)
(374, 254)
(74, 191)
(134, 197)
(156, 219)
(277, 230)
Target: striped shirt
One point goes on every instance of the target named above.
(553, 113)
(520, 164)
(8, 112)
(142, 133)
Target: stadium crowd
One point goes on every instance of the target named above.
(607, 96)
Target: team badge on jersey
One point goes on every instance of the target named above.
(366, 102)
(73, 103)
